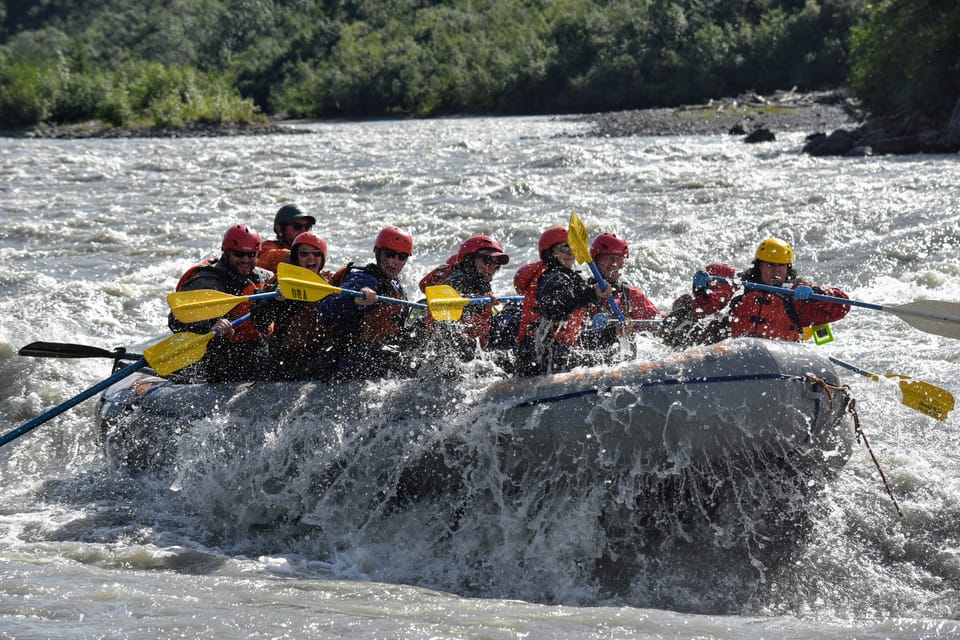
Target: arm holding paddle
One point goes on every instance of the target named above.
(938, 317)
(357, 296)
(577, 239)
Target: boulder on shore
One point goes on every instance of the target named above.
(892, 135)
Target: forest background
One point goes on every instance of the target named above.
(171, 62)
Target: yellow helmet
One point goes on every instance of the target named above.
(774, 250)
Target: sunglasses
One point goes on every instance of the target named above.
(301, 226)
(303, 253)
(563, 248)
(243, 254)
(390, 253)
(490, 262)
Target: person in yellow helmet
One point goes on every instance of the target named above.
(719, 309)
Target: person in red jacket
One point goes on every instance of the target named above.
(609, 252)
(554, 304)
(719, 309)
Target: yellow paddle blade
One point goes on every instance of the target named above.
(297, 283)
(445, 303)
(176, 352)
(577, 239)
(924, 397)
(202, 304)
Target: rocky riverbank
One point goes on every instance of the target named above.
(828, 117)
(745, 115)
(96, 129)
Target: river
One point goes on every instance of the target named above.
(95, 233)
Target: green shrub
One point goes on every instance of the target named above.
(906, 58)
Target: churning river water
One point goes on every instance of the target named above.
(95, 233)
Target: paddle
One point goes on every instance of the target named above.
(297, 283)
(916, 394)
(446, 304)
(932, 316)
(205, 304)
(577, 239)
(181, 349)
(67, 350)
(72, 402)
(165, 357)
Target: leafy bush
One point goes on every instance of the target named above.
(906, 58)
(173, 62)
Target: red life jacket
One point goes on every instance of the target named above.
(566, 332)
(245, 331)
(529, 315)
(641, 307)
(436, 276)
(764, 315)
(304, 329)
(634, 305)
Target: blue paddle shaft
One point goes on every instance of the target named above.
(813, 296)
(264, 296)
(80, 397)
(72, 402)
(405, 303)
(603, 285)
(240, 320)
(488, 300)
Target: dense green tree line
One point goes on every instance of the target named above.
(171, 61)
(906, 58)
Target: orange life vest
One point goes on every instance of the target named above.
(385, 320)
(303, 329)
(272, 253)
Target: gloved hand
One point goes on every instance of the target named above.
(600, 321)
(802, 292)
(701, 280)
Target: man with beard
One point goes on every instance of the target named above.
(233, 354)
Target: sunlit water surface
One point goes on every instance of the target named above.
(95, 234)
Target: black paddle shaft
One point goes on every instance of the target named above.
(67, 350)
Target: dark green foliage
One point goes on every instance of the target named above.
(907, 58)
(411, 57)
(33, 91)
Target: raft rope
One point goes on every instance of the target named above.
(851, 408)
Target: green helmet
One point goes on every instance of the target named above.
(290, 212)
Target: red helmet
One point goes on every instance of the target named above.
(608, 244)
(473, 244)
(311, 240)
(240, 237)
(393, 238)
(550, 237)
